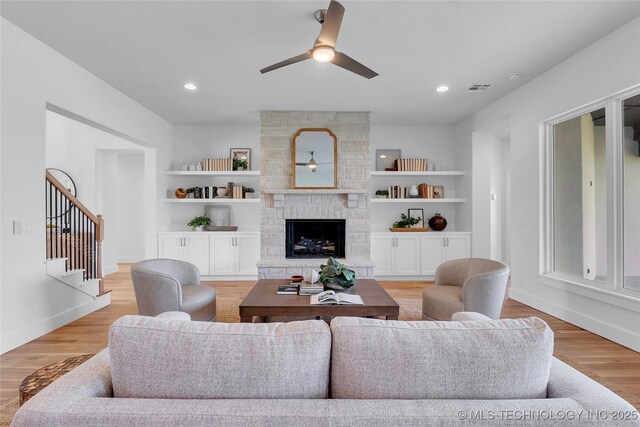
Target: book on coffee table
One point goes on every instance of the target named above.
(287, 290)
(330, 297)
(311, 289)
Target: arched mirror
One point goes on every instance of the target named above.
(315, 158)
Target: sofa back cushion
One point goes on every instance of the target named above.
(176, 359)
(492, 359)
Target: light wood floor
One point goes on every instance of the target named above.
(616, 364)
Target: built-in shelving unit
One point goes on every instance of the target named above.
(212, 173)
(216, 200)
(418, 200)
(423, 173)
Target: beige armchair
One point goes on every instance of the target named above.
(468, 284)
(164, 285)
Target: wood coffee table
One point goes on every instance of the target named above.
(263, 301)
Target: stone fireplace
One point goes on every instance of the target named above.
(314, 238)
(279, 202)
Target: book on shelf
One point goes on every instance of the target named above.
(412, 165)
(330, 297)
(217, 164)
(287, 289)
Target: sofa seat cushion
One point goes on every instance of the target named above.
(174, 359)
(439, 302)
(492, 359)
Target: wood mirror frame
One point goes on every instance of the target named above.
(321, 153)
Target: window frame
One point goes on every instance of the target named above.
(612, 290)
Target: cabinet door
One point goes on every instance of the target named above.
(196, 251)
(457, 247)
(170, 246)
(222, 255)
(248, 250)
(407, 256)
(382, 253)
(432, 254)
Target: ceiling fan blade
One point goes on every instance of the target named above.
(348, 63)
(299, 58)
(331, 26)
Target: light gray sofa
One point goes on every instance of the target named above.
(466, 285)
(364, 372)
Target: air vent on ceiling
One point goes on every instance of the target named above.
(479, 88)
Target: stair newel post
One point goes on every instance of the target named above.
(99, 238)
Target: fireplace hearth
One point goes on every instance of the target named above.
(315, 238)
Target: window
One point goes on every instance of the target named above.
(631, 196)
(591, 197)
(579, 196)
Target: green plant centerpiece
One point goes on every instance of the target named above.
(336, 276)
(239, 165)
(406, 221)
(198, 223)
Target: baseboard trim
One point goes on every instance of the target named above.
(109, 269)
(36, 330)
(130, 260)
(598, 327)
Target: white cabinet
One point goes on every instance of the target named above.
(215, 254)
(235, 254)
(395, 255)
(192, 247)
(440, 247)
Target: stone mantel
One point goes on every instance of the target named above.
(313, 191)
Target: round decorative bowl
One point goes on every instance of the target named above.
(297, 279)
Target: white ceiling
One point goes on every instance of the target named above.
(149, 49)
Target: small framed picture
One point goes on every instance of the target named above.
(417, 213)
(438, 192)
(241, 158)
(386, 159)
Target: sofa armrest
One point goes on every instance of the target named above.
(567, 382)
(48, 407)
(174, 315)
(466, 316)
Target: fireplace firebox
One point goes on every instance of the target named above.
(315, 238)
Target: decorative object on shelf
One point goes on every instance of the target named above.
(315, 155)
(181, 193)
(221, 228)
(437, 222)
(418, 214)
(406, 223)
(222, 191)
(334, 275)
(216, 165)
(386, 160)
(382, 194)
(219, 215)
(248, 192)
(412, 165)
(199, 222)
(190, 192)
(241, 158)
(438, 192)
(413, 191)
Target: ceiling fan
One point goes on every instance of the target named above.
(324, 47)
(312, 164)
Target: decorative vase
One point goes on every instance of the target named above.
(199, 228)
(437, 222)
(413, 191)
(222, 192)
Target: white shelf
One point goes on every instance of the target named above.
(416, 200)
(216, 200)
(211, 173)
(423, 173)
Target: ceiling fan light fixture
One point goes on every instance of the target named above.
(312, 163)
(323, 53)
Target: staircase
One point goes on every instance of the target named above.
(74, 240)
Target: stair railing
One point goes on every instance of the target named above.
(73, 231)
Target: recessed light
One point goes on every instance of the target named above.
(442, 88)
(513, 76)
(190, 86)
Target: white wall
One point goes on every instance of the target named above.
(609, 65)
(34, 75)
(437, 144)
(130, 207)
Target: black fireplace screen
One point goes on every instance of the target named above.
(315, 238)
